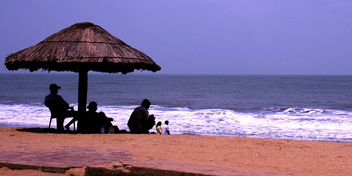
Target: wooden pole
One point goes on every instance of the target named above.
(82, 91)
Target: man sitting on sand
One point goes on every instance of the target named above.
(58, 106)
(140, 122)
(93, 121)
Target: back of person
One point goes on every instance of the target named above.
(166, 128)
(89, 123)
(158, 128)
(55, 104)
(105, 122)
(140, 122)
(92, 121)
(138, 119)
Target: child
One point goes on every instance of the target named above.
(166, 128)
(158, 128)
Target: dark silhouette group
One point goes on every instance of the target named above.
(89, 122)
(140, 122)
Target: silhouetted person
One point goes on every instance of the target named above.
(93, 121)
(140, 122)
(158, 128)
(59, 106)
(166, 128)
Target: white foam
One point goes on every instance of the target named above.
(307, 124)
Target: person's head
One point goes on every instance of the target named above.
(158, 124)
(54, 89)
(93, 106)
(166, 122)
(146, 103)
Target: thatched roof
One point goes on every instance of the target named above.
(82, 46)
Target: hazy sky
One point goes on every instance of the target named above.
(200, 36)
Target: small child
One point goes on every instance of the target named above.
(158, 128)
(166, 128)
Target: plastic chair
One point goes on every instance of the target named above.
(55, 111)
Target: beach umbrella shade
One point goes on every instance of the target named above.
(80, 48)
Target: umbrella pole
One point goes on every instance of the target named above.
(82, 91)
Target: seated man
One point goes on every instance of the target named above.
(93, 121)
(58, 106)
(140, 122)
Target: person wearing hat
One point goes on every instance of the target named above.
(60, 107)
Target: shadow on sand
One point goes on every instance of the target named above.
(45, 130)
(53, 130)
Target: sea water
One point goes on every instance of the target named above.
(316, 108)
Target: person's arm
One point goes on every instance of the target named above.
(64, 103)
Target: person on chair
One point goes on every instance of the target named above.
(58, 106)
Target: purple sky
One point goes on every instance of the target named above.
(201, 36)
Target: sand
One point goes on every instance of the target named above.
(234, 153)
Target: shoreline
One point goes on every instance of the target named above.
(192, 153)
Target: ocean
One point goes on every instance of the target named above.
(314, 108)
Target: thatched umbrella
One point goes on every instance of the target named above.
(80, 48)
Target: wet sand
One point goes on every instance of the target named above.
(221, 155)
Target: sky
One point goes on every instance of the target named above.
(255, 37)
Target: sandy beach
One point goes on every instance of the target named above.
(242, 154)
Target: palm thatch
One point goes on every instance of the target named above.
(81, 47)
